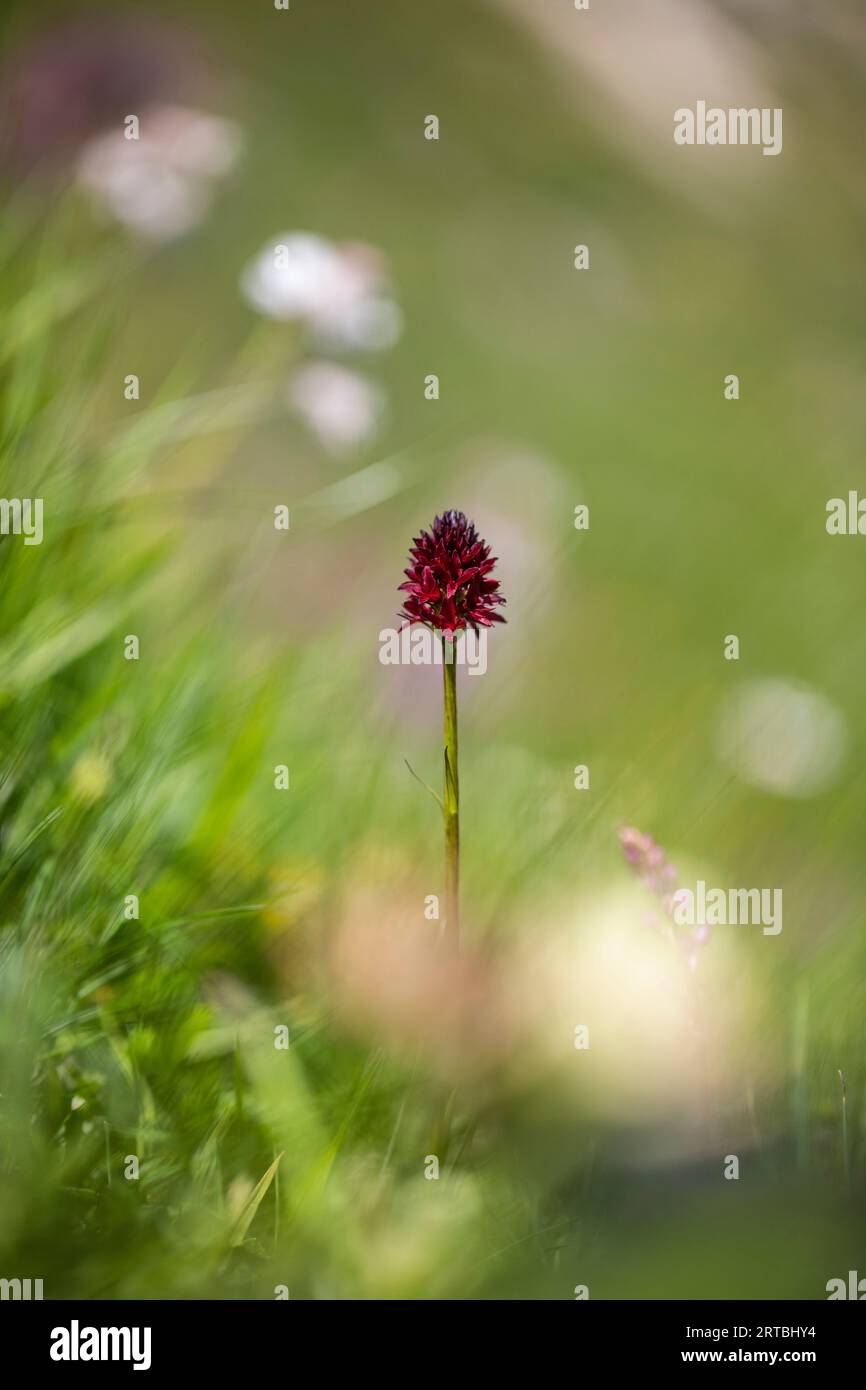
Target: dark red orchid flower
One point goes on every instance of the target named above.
(447, 582)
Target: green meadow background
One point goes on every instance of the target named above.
(303, 1168)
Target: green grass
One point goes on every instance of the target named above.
(154, 1036)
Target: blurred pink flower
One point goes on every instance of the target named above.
(341, 407)
(160, 184)
(389, 976)
(655, 872)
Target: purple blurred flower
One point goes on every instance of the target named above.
(655, 872)
(83, 77)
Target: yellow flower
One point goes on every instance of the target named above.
(90, 777)
(294, 887)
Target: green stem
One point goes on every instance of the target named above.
(452, 798)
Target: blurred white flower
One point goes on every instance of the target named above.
(340, 291)
(342, 407)
(160, 184)
(659, 1045)
(782, 737)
